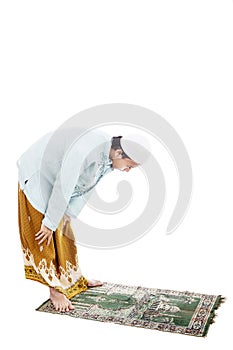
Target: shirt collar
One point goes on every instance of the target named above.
(108, 162)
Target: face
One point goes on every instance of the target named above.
(119, 163)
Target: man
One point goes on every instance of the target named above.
(54, 174)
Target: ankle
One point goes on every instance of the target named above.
(53, 291)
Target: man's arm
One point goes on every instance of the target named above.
(77, 203)
(63, 187)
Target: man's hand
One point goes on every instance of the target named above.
(43, 234)
(66, 219)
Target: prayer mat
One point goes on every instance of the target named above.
(151, 308)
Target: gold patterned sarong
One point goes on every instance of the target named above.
(55, 265)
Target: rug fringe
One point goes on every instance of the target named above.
(219, 301)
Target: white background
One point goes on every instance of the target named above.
(174, 57)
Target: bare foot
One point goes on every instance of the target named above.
(94, 283)
(60, 301)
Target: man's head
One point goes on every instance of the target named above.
(120, 160)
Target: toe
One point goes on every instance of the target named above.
(93, 283)
(71, 306)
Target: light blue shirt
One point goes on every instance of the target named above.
(59, 171)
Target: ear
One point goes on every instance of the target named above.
(116, 153)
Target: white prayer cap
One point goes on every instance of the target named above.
(136, 147)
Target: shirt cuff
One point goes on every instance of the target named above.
(69, 213)
(46, 222)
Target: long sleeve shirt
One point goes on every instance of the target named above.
(60, 170)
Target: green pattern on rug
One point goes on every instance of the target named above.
(164, 310)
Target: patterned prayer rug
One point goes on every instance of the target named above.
(164, 310)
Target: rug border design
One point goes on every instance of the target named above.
(199, 325)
